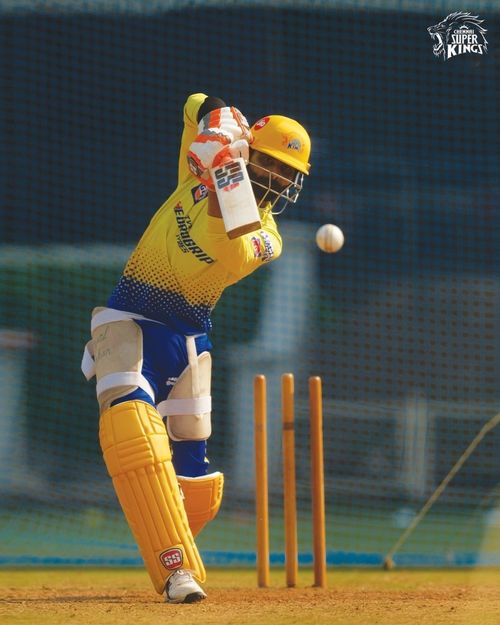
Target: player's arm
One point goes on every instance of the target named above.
(195, 108)
(242, 255)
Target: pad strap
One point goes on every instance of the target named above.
(108, 315)
(124, 378)
(194, 406)
(193, 363)
(88, 362)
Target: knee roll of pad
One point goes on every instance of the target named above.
(138, 458)
(202, 498)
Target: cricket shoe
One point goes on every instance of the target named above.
(182, 588)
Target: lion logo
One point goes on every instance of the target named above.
(457, 34)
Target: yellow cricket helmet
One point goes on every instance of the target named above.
(284, 139)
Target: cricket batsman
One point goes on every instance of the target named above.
(150, 346)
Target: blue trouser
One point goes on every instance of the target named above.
(164, 359)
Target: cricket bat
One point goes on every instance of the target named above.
(236, 199)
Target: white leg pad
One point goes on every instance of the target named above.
(189, 405)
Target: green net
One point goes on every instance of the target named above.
(402, 324)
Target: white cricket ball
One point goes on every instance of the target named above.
(329, 238)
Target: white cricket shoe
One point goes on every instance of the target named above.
(182, 588)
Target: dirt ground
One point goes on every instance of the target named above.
(354, 597)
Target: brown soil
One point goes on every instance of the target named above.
(355, 600)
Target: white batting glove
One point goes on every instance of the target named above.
(223, 133)
(237, 149)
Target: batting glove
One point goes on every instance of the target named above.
(223, 134)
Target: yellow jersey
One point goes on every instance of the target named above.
(184, 260)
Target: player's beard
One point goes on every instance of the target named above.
(264, 194)
(260, 193)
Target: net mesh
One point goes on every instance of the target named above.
(401, 325)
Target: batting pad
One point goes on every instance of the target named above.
(202, 498)
(138, 458)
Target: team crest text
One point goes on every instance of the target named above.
(459, 33)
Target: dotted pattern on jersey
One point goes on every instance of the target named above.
(161, 305)
(183, 301)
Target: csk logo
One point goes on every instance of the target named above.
(294, 144)
(291, 143)
(457, 34)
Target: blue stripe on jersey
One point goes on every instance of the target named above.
(170, 308)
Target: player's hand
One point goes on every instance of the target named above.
(223, 133)
(229, 120)
(237, 149)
